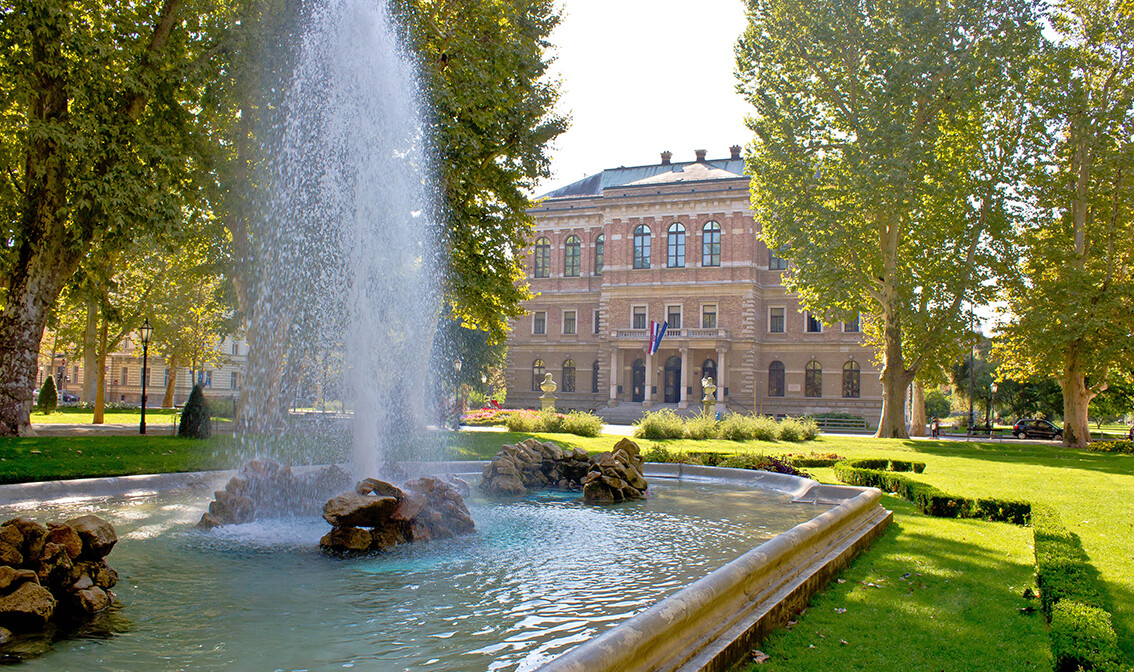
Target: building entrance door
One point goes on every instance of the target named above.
(638, 391)
(673, 380)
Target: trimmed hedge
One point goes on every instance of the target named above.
(1117, 446)
(928, 499)
(1082, 636)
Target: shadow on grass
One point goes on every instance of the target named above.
(1055, 455)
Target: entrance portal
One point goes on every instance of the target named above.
(638, 390)
(673, 380)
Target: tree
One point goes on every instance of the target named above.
(485, 71)
(48, 399)
(196, 418)
(887, 143)
(98, 102)
(937, 404)
(1070, 307)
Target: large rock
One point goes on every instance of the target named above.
(29, 607)
(65, 536)
(267, 489)
(98, 536)
(93, 599)
(346, 539)
(354, 510)
(11, 578)
(530, 465)
(31, 536)
(616, 476)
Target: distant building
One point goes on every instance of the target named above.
(675, 242)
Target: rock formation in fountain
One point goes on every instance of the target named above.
(616, 476)
(267, 489)
(377, 515)
(54, 571)
(530, 465)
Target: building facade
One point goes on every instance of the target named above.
(677, 243)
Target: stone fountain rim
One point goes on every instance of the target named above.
(802, 490)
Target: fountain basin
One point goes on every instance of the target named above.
(295, 609)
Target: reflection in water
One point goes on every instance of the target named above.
(538, 577)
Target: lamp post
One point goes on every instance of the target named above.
(457, 368)
(147, 333)
(991, 410)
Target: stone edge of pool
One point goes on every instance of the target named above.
(707, 626)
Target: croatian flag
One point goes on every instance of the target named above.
(656, 333)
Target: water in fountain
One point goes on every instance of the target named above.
(346, 257)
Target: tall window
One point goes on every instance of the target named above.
(537, 374)
(569, 322)
(709, 316)
(572, 254)
(776, 320)
(673, 317)
(598, 321)
(638, 317)
(125, 375)
(165, 382)
(851, 377)
(675, 246)
(543, 258)
(234, 380)
(539, 323)
(813, 380)
(854, 326)
(569, 375)
(776, 262)
(711, 244)
(594, 377)
(776, 379)
(642, 246)
(600, 250)
(814, 326)
(235, 348)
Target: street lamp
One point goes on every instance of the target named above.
(457, 368)
(991, 410)
(147, 333)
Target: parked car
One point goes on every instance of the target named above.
(66, 397)
(1031, 428)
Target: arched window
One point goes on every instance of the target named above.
(852, 374)
(711, 244)
(594, 377)
(572, 253)
(568, 375)
(776, 379)
(543, 258)
(600, 249)
(537, 374)
(813, 380)
(675, 246)
(642, 246)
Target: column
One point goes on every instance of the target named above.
(615, 371)
(649, 380)
(722, 370)
(682, 397)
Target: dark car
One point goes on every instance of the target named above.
(1036, 429)
(66, 397)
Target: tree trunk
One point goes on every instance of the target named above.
(1076, 400)
(895, 378)
(171, 385)
(100, 394)
(90, 353)
(917, 409)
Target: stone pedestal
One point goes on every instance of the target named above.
(547, 399)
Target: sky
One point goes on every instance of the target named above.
(639, 77)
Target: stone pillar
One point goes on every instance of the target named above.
(649, 381)
(615, 373)
(682, 398)
(722, 368)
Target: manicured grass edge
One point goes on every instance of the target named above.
(1082, 634)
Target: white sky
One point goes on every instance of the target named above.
(642, 76)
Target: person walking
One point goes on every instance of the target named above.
(936, 428)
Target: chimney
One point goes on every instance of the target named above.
(665, 157)
(700, 155)
(735, 149)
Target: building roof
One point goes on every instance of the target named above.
(658, 173)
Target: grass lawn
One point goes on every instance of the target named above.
(78, 416)
(960, 614)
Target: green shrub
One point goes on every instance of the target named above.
(765, 428)
(657, 453)
(701, 426)
(582, 424)
(791, 430)
(549, 421)
(522, 421)
(48, 397)
(196, 419)
(1118, 446)
(663, 424)
(810, 428)
(760, 462)
(738, 427)
(1082, 638)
